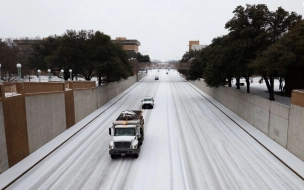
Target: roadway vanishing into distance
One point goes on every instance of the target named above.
(189, 144)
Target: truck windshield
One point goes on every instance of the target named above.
(147, 100)
(124, 132)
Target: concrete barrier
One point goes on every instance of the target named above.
(261, 113)
(281, 123)
(141, 76)
(81, 84)
(254, 109)
(3, 151)
(85, 102)
(39, 87)
(295, 139)
(278, 123)
(46, 118)
(45, 110)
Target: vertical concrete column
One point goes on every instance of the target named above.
(69, 108)
(295, 140)
(20, 88)
(15, 129)
(3, 150)
(2, 93)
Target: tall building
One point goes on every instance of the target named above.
(197, 47)
(131, 46)
(25, 48)
(191, 43)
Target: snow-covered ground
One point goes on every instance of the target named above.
(260, 89)
(189, 144)
(45, 78)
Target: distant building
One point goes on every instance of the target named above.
(195, 46)
(25, 47)
(191, 43)
(131, 46)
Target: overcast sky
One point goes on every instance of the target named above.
(164, 27)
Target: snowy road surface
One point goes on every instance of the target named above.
(189, 144)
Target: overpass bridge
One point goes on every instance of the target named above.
(176, 65)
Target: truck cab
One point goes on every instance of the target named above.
(128, 134)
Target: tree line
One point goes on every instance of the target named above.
(86, 52)
(260, 42)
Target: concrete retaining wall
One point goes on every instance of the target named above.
(85, 102)
(107, 92)
(3, 150)
(295, 142)
(278, 124)
(269, 117)
(46, 118)
(43, 114)
(141, 76)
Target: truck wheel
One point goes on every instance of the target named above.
(136, 155)
(142, 137)
(112, 156)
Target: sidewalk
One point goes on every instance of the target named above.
(261, 90)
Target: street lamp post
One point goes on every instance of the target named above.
(49, 71)
(19, 71)
(39, 72)
(70, 74)
(61, 71)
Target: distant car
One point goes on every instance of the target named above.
(166, 72)
(156, 78)
(147, 102)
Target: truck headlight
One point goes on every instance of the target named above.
(111, 147)
(134, 147)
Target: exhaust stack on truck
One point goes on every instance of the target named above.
(128, 134)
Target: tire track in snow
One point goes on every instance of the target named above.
(188, 174)
(259, 164)
(208, 163)
(211, 140)
(169, 141)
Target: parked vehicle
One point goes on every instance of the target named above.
(156, 78)
(128, 134)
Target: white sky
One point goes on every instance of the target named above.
(164, 27)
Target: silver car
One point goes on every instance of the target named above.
(147, 102)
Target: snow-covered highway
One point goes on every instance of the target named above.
(189, 144)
